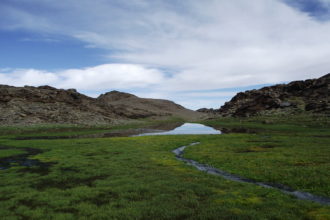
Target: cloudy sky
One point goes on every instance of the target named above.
(197, 53)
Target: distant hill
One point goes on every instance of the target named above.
(131, 106)
(45, 104)
(310, 95)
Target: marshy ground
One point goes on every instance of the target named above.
(140, 178)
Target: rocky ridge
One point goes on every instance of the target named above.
(45, 104)
(310, 95)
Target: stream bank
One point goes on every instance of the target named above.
(179, 152)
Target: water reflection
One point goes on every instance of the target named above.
(186, 128)
(160, 129)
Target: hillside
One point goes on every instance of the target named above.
(45, 104)
(298, 96)
(131, 106)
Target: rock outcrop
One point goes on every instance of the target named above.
(45, 104)
(207, 110)
(310, 95)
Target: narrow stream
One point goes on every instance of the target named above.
(214, 171)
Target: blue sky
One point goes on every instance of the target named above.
(21, 49)
(318, 9)
(197, 53)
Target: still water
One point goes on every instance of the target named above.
(164, 129)
(186, 128)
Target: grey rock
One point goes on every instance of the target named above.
(310, 95)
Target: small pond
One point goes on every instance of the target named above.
(186, 128)
(163, 129)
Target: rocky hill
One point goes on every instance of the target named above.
(310, 95)
(130, 106)
(45, 104)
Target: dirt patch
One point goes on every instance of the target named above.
(322, 136)
(252, 150)
(67, 183)
(42, 138)
(268, 146)
(263, 141)
(103, 198)
(3, 148)
(235, 130)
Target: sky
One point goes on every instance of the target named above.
(196, 53)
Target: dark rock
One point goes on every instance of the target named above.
(207, 110)
(310, 95)
(72, 90)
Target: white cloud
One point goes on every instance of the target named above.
(198, 103)
(209, 94)
(21, 77)
(192, 100)
(108, 76)
(210, 44)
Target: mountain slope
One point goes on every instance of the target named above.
(131, 106)
(45, 104)
(310, 95)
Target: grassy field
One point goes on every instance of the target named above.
(48, 130)
(139, 177)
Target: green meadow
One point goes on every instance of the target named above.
(140, 178)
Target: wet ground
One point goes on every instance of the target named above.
(34, 165)
(163, 129)
(214, 171)
(23, 160)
